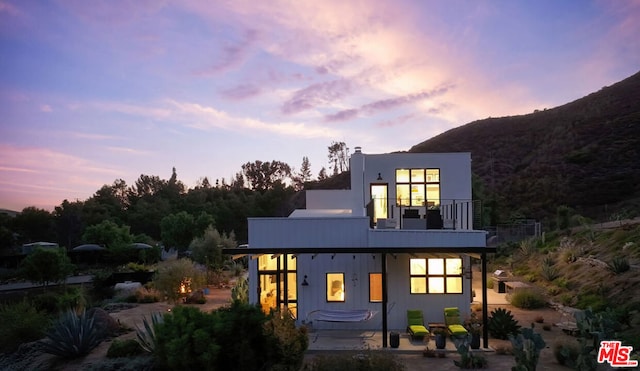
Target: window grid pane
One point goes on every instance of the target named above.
(441, 276)
(418, 187)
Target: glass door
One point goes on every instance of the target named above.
(379, 197)
(277, 283)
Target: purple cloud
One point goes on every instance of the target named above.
(386, 104)
(316, 95)
(396, 121)
(241, 92)
(231, 55)
(347, 114)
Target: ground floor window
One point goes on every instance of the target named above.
(436, 276)
(375, 287)
(335, 287)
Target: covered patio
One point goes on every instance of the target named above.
(353, 339)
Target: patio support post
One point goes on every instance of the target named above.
(384, 299)
(485, 315)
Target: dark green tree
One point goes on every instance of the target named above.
(177, 230)
(264, 175)
(33, 225)
(45, 266)
(108, 234)
(304, 175)
(207, 250)
(69, 223)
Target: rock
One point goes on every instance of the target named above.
(196, 297)
(107, 324)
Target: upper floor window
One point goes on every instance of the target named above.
(436, 276)
(418, 187)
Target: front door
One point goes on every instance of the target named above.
(380, 199)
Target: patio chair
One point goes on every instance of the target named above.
(452, 321)
(415, 324)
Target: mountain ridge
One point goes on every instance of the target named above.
(584, 154)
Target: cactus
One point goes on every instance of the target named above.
(502, 324)
(526, 348)
(592, 329)
(72, 336)
(469, 359)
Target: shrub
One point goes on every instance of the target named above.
(566, 352)
(72, 336)
(619, 264)
(171, 274)
(527, 299)
(124, 348)
(287, 343)
(20, 323)
(240, 291)
(147, 295)
(590, 300)
(238, 337)
(549, 272)
(502, 324)
(369, 360)
(135, 267)
(71, 298)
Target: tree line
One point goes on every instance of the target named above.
(156, 210)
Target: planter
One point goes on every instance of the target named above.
(475, 341)
(441, 341)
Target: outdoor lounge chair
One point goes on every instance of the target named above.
(415, 324)
(452, 321)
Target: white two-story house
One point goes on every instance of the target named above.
(401, 238)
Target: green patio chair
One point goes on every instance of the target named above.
(415, 324)
(452, 321)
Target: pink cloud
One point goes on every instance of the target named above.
(44, 177)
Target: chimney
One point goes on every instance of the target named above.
(356, 166)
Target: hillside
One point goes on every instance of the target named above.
(584, 154)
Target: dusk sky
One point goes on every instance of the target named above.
(97, 90)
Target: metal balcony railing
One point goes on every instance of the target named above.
(454, 214)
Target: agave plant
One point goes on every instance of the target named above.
(72, 335)
(147, 336)
(502, 324)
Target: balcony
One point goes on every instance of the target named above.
(443, 214)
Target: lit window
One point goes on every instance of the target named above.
(375, 287)
(436, 276)
(418, 187)
(335, 286)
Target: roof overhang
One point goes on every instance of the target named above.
(472, 251)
